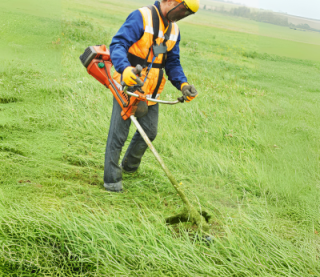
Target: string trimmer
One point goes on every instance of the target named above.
(133, 102)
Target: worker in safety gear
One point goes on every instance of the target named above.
(149, 37)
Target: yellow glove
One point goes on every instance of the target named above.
(129, 77)
(189, 92)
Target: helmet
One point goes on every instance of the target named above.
(193, 5)
(184, 9)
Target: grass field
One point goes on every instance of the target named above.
(262, 37)
(246, 150)
(212, 5)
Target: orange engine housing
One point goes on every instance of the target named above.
(98, 62)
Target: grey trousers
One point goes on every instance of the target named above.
(118, 134)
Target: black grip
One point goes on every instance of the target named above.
(181, 99)
(137, 70)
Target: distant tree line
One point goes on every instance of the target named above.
(267, 17)
(263, 16)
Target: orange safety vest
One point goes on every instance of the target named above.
(141, 52)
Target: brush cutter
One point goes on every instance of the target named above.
(134, 104)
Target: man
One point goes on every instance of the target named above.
(149, 37)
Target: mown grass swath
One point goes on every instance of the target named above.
(247, 150)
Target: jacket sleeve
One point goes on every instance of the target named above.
(130, 32)
(173, 67)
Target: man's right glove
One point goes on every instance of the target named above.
(189, 92)
(129, 77)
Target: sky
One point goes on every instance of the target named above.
(304, 8)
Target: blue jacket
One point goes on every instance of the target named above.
(132, 31)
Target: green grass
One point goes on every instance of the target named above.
(264, 37)
(246, 150)
(246, 25)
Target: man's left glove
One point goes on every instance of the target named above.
(189, 92)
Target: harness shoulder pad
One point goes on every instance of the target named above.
(155, 21)
(168, 32)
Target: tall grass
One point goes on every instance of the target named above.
(82, 241)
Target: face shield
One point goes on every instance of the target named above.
(179, 12)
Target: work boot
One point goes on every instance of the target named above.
(126, 171)
(114, 187)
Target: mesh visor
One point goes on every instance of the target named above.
(179, 12)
